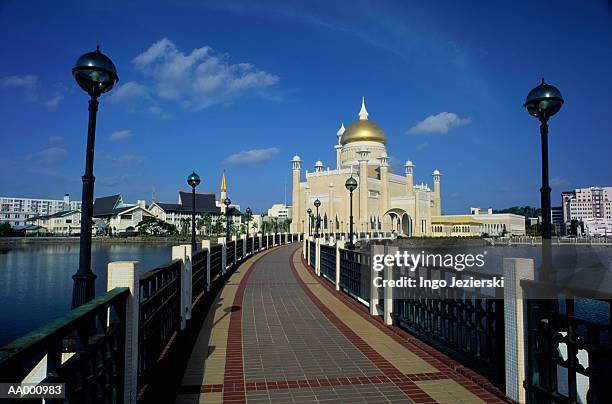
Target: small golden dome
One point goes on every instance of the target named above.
(363, 130)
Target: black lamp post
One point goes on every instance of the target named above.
(227, 203)
(193, 180)
(309, 211)
(543, 102)
(95, 73)
(351, 185)
(317, 203)
(248, 216)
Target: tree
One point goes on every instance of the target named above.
(153, 226)
(185, 222)
(207, 222)
(219, 225)
(5, 229)
(254, 227)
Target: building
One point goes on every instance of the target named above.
(16, 211)
(479, 222)
(112, 216)
(65, 223)
(280, 211)
(383, 201)
(557, 220)
(598, 227)
(586, 203)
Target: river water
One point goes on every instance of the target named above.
(36, 279)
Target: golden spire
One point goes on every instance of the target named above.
(223, 183)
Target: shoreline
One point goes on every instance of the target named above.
(9, 241)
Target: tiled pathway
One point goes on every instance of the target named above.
(277, 334)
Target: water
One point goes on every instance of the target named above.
(36, 279)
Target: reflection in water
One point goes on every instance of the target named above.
(36, 279)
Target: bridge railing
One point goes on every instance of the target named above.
(328, 262)
(110, 349)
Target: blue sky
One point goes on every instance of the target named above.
(242, 86)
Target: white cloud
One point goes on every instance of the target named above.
(56, 139)
(127, 160)
(28, 83)
(252, 156)
(439, 124)
(53, 102)
(120, 135)
(199, 79)
(559, 182)
(50, 156)
(421, 146)
(130, 91)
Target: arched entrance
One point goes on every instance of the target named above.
(401, 222)
(406, 225)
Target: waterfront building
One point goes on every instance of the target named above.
(384, 201)
(586, 203)
(557, 220)
(16, 211)
(64, 223)
(479, 222)
(280, 211)
(112, 216)
(598, 227)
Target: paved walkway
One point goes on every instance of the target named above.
(276, 333)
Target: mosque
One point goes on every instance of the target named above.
(383, 201)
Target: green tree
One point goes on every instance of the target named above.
(207, 222)
(5, 229)
(185, 222)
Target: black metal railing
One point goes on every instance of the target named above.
(159, 314)
(239, 249)
(256, 243)
(313, 253)
(94, 334)
(465, 323)
(264, 241)
(277, 239)
(216, 261)
(355, 273)
(283, 238)
(270, 240)
(569, 347)
(249, 246)
(328, 262)
(198, 273)
(230, 253)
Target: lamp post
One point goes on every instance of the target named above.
(96, 74)
(317, 203)
(193, 180)
(227, 201)
(351, 185)
(248, 215)
(543, 102)
(309, 211)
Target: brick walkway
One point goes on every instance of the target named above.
(276, 333)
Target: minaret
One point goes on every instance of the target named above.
(437, 210)
(223, 192)
(363, 113)
(409, 180)
(332, 213)
(383, 207)
(338, 147)
(363, 183)
(296, 163)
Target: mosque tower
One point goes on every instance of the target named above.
(223, 188)
(296, 166)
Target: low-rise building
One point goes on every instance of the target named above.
(597, 227)
(281, 211)
(60, 224)
(479, 222)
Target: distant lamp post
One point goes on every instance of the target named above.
(351, 185)
(317, 203)
(227, 203)
(309, 211)
(249, 214)
(543, 102)
(96, 74)
(193, 180)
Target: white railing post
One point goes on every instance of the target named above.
(125, 274)
(304, 246)
(206, 245)
(221, 240)
(339, 246)
(183, 253)
(388, 308)
(318, 256)
(376, 249)
(515, 269)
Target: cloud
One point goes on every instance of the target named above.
(421, 146)
(50, 156)
(439, 124)
(27, 83)
(120, 135)
(56, 139)
(127, 160)
(195, 80)
(111, 181)
(251, 156)
(559, 182)
(53, 102)
(130, 91)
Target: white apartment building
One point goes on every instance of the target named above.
(64, 223)
(16, 211)
(586, 203)
(281, 211)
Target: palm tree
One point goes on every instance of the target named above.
(207, 219)
(184, 222)
(254, 227)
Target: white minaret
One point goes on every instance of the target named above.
(363, 184)
(409, 179)
(338, 147)
(296, 166)
(319, 166)
(437, 210)
(363, 113)
(332, 213)
(384, 185)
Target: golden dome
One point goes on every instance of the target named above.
(363, 130)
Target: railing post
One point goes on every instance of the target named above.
(339, 246)
(318, 256)
(304, 247)
(221, 240)
(125, 274)
(183, 253)
(388, 308)
(515, 269)
(376, 249)
(206, 245)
